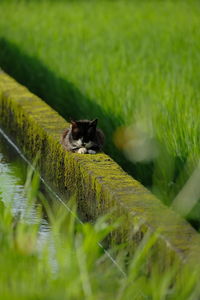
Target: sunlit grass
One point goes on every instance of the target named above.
(132, 58)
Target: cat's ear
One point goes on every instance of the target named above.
(73, 123)
(94, 122)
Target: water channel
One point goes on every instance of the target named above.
(13, 175)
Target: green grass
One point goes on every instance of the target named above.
(126, 62)
(69, 264)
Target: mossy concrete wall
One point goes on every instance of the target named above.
(99, 183)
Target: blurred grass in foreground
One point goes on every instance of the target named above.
(69, 264)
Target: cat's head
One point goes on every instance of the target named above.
(83, 132)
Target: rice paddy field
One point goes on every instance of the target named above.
(133, 64)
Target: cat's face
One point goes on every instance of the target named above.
(83, 133)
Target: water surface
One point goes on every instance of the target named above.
(13, 176)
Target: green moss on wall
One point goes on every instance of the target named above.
(99, 183)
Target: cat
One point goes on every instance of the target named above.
(83, 137)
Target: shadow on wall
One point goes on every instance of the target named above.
(68, 100)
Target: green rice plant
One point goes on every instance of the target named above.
(65, 266)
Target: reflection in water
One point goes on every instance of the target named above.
(13, 171)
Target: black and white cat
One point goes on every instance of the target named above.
(83, 136)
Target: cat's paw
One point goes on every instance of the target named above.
(91, 151)
(82, 150)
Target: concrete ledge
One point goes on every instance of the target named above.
(99, 183)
